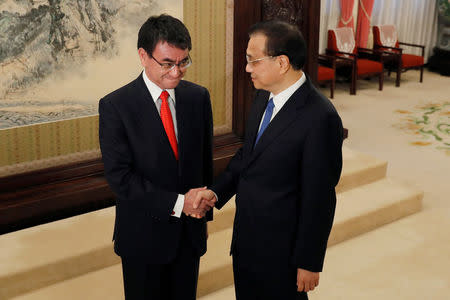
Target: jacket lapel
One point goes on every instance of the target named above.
(183, 111)
(288, 114)
(261, 100)
(149, 116)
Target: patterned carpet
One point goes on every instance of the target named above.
(408, 126)
(429, 124)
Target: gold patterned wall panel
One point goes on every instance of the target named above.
(36, 146)
(211, 26)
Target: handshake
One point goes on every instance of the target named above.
(198, 201)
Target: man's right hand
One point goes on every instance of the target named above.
(195, 208)
(204, 197)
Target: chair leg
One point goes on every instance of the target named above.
(399, 72)
(397, 79)
(380, 81)
(353, 87)
(353, 82)
(421, 73)
(332, 86)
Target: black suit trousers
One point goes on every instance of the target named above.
(265, 282)
(176, 280)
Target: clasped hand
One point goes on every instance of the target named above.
(198, 201)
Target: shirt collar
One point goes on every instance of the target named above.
(281, 98)
(155, 91)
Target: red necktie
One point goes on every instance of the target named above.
(166, 118)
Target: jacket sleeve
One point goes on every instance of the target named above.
(226, 185)
(125, 182)
(208, 148)
(320, 171)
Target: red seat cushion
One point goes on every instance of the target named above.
(325, 73)
(410, 60)
(366, 66)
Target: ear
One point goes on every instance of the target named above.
(142, 56)
(285, 65)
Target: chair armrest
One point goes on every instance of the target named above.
(415, 45)
(412, 45)
(365, 49)
(349, 59)
(334, 52)
(390, 52)
(370, 53)
(391, 48)
(381, 51)
(327, 60)
(373, 51)
(326, 57)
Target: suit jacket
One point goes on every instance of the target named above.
(142, 171)
(285, 185)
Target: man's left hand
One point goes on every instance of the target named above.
(306, 280)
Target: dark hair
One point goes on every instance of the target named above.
(163, 28)
(282, 38)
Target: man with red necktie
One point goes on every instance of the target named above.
(156, 143)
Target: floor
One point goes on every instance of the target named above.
(409, 259)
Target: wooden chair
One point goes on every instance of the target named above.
(351, 60)
(326, 72)
(385, 40)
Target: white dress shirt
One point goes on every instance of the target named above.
(281, 98)
(155, 92)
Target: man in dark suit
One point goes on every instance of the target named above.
(285, 174)
(156, 142)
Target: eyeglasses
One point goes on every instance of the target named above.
(167, 66)
(256, 60)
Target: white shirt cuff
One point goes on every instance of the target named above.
(217, 198)
(178, 208)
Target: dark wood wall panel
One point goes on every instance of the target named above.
(246, 13)
(51, 194)
(306, 15)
